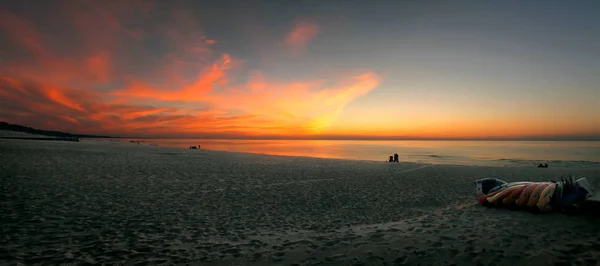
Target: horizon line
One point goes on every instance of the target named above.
(555, 138)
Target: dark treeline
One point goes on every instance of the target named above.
(20, 128)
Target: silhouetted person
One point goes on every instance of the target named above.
(391, 159)
(396, 158)
(545, 165)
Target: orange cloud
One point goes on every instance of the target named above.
(303, 32)
(108, 82)
(282, 108)
(99, 66)
(204, 83)
(303, 107)
(56, 95)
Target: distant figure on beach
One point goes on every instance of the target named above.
(396, 158)
(192, 147)
(543, 165)
(391, 159)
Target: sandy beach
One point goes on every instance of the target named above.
(122, 203)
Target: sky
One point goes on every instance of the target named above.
(303, 69)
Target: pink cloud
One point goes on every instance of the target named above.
(302, 33)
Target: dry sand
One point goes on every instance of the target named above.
(123, 203)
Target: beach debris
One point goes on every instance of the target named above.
(565, 195)
(193, 147)
(543, 165)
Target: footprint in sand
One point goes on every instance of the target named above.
(438, 244)
(231, 251)
(376, 237)
(332, 243)
(359, 244)
(401, 260)
(279, 254)
(279, 248)
(472, 242)
(453, 252)
(426, 225)
(256, 256)
(309, 261)
(294, 243)
(393, 230)
(434, 232)
(420, 253)
(447, 238)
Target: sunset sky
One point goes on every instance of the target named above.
(302, 69)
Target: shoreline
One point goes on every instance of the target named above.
(502, 162)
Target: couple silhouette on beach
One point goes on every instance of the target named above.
(394, 158)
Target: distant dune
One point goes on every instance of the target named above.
(18, 134)
(8, 130)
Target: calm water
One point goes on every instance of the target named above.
(446, 152)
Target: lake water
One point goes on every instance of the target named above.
(444, 152)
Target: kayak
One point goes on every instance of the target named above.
(535, 196)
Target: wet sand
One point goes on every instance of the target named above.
(124, 203)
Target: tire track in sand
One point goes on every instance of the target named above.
(311, 181)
